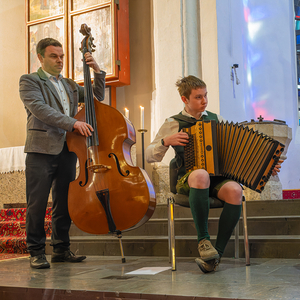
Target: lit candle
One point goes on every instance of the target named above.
(142, 117)
(126, 113)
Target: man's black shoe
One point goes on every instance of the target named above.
(66, 256)
(39, 262)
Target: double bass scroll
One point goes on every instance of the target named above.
(110, 195)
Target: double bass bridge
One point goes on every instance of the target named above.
(99, 168)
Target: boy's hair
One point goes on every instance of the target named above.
(44, 43)
(185, 85)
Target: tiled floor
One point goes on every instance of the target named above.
(264, 279)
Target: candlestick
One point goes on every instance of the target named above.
(126, 113)
(142, 117)
(142, 131)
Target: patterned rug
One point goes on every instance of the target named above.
(13, 230)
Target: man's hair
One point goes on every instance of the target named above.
(185, 85)
(44, 43)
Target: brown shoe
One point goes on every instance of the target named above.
(66, 256)
(207, 266)
(207, 251)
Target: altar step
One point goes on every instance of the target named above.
(13, 229)
(273, 229)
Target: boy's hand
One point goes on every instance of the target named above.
(177, 139)
(277, 167)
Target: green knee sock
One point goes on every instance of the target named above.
(228, 219)
(199, 203)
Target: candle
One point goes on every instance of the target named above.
(126, 113)
(142, 117)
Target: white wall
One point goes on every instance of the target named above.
(168, 63)
(259, 36)
(13, 65)
(209, 52)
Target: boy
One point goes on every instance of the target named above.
(198, 184)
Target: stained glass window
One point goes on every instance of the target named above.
(297, 31)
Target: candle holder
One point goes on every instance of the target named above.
(142, 131)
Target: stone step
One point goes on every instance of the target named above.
(18, 228)
(12, 214)
(186, 246)
(254, 208)
(12, 228)
(261, 225)
(273, 207)
(273, 228)
(19, 214)
(275, 225)
(263, 218)
(13, 244)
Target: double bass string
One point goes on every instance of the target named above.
(89, 102)
(93, 140)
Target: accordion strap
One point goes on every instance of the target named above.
(184, 118)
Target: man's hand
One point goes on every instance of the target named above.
(90, 61)
(177, 139)
(277, 167)
(84, 128)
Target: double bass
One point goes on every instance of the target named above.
(110, 194)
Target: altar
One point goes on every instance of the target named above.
(12, 175)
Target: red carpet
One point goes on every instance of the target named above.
(13, 231)
(8, 256)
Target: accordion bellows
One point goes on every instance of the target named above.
(233, 151)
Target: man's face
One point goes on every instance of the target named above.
(197, 101)
(53, 60)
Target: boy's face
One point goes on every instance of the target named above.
(197, 101)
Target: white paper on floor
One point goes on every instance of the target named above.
(148, 271)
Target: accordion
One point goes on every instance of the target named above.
(233, 151)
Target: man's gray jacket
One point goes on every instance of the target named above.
(46, 121)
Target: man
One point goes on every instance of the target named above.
(198, 184)
(51, 102)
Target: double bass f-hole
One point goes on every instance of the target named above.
(86, 173)
(118, 164)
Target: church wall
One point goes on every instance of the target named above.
(168, 63)
(13, 65)
(209, 52)
(139, 92)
